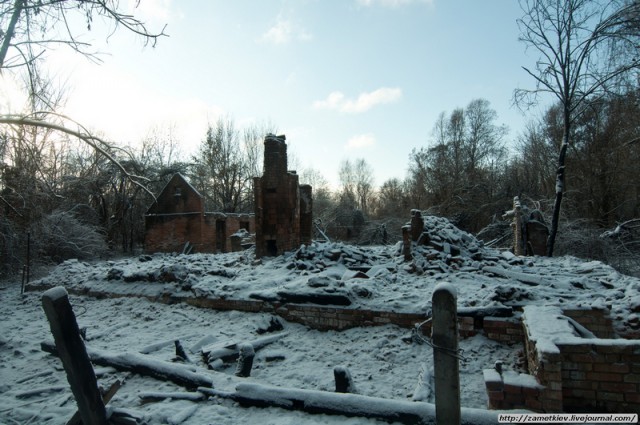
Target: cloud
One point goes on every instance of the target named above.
(360, 142)
(123, 108)
(365, 101)
(392, 3)
(283, 32)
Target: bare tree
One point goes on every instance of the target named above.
(253, 145)
(347, 178)
(363, 173)
(221, 168)
(31, 27)
(585, 47)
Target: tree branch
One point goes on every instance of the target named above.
(84, 135)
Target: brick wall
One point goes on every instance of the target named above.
(504, 329)
(602, 375)
(596, 320)
(584, 374)
(510, 390)
(168, 233)
(178, 217)
(282, 206)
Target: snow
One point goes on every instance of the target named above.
(447, 287)
(384, 361)
(510, 377)
(55, 294)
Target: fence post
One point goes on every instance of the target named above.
(517, 224)
(444, 334)
(73, 354)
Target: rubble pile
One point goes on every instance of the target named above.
(319, 256)
(437, 246)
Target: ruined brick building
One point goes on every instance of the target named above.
(178, 217)
(282, 220)
(283, 207)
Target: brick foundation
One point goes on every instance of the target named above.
(583, 374)
(568, 375)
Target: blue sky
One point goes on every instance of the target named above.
(343, 79)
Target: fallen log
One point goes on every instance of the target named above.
(230, 352)
(37, 391)
(161, 344)
(137, 363)
(353, 405)
(148, 397)
(182, 415)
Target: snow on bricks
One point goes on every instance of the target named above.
(580, 372)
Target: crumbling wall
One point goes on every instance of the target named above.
(177, 218)
(283, 208)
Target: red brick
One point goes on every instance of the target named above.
(531, 392)
(533, 404)
(604, 376)
(618, 387)
(495, 395)
(611, 367)
(552, 395)
(551, 406)
(512, 389)
(583, 385)
(577, 393)
(632, 377)
(632, 397)
(614, 349)
(608, 396)
(581, 348)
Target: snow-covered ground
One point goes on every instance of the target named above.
(383, 361)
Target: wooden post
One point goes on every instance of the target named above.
(344, 381)
(73, 354)
(406, 243)
(444, 334)
(245, 360)
(28, 256)
(517, 223)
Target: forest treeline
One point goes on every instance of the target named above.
(74, 202)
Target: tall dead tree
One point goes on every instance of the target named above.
(585, 48)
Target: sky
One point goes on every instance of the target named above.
(342, 79)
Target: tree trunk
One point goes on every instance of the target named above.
(17, 9)
(559, 183)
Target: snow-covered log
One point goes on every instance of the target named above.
(38, 391)
(230, 352)
(143, 365)
(182, 415)
(354, 405)
(147, 397)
